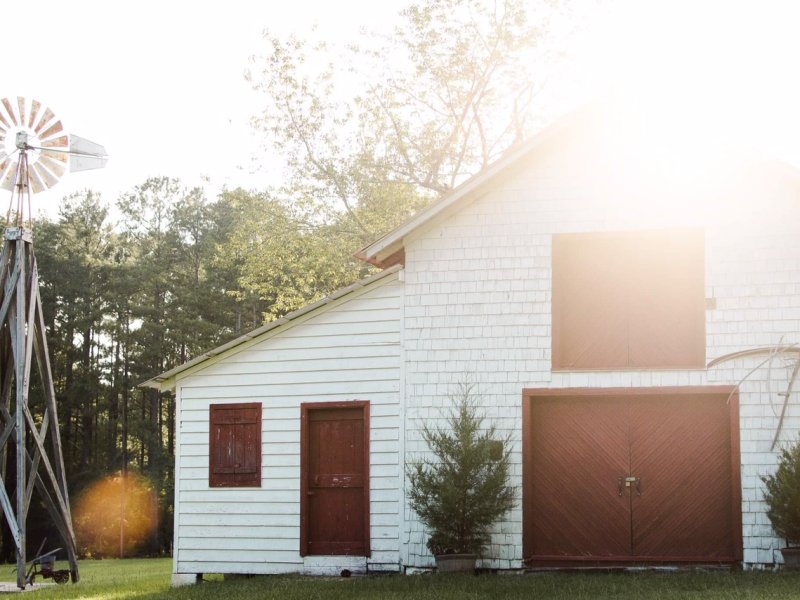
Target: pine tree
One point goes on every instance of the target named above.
(465, 490)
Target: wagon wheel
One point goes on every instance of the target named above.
(61, 576)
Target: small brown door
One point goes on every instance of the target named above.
(632, 476)
(335, 479)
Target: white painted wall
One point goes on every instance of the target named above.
(347, 350)
(478, 291)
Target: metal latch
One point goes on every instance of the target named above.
(626, 482)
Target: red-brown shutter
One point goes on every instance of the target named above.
(235, 445)
(628, 300)
(589, 305)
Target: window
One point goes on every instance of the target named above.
(235, 445)
(632, 300)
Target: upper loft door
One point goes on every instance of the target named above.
(335, 479)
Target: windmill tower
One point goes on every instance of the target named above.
(34, 153)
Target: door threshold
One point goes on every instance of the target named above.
(683, 568)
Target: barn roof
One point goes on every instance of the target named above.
(166, 381)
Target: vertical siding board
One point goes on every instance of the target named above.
(176, 525)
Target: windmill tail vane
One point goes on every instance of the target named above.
(35, 152)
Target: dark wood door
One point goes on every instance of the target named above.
(681, 455)
(336, 479)
(579, 450)
(626, 477)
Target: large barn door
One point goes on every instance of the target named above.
(681, 456)
(630, 476)
(579, 450)
(335, 465)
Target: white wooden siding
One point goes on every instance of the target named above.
(478, 290)
(347, 350)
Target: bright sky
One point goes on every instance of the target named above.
(160, 83)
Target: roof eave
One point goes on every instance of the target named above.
(394, 242)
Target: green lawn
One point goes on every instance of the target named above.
(149, 579)
(106, 579)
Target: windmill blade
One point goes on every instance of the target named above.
(4, 121)
(37, 185)
(35, 106)
(46, 177)
(4, 164)
(10, 111)
(56, 167)
(56, 155)
(21, 105)
(46, 118)
(51, 131)
(9, 179)
(60, 142)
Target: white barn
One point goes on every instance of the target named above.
(587, 282)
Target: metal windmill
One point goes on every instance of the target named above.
(34, 153)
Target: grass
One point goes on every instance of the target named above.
(106, 579)
(148, 579)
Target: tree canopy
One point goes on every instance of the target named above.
(411, 115)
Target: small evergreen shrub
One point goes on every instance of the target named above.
(782, 495)
(460, 494)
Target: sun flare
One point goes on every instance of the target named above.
(726, 68)
(114, 515)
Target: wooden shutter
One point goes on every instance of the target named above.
(589, 304)
(628, 300)
(235, 445)
(667, 309)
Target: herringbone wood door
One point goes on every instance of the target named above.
(579, 450)
(681, 452)
(630, 478)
